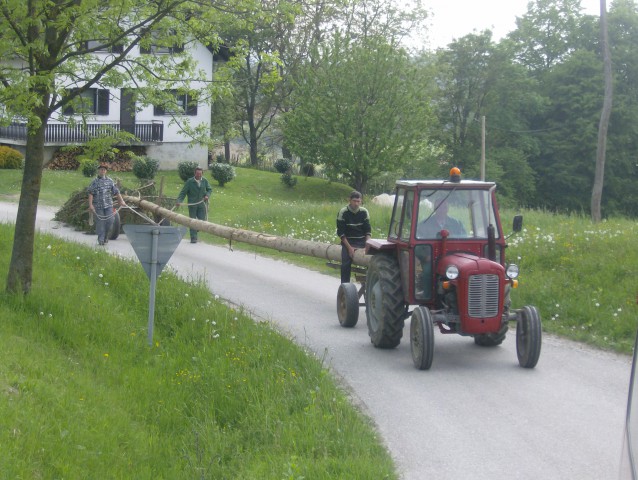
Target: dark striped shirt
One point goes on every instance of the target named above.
(353, 225)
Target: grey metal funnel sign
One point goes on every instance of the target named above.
(142, 237)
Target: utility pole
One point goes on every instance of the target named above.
(483, 148)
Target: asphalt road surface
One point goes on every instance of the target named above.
(475, 415)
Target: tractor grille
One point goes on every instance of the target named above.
(483, 301)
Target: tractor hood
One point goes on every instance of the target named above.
(469, 264)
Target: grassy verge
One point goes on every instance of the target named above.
(220, 396)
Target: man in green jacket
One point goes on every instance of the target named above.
(198, 191)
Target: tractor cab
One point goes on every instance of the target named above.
(432, 220)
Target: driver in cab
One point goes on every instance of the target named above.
(440, 220)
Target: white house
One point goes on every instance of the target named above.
(161, 137)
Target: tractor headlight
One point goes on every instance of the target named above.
(512, 271)
(452, 272)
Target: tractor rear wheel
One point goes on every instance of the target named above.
(348, 305)
(385, 309)
(422, 338)
(491, 339)
(528, 337)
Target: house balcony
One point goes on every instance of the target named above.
(147, 133)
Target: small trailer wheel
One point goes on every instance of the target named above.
(348, 305)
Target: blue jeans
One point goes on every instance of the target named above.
(103, 223)
(346, 261)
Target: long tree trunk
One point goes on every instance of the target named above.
(597, 190)
(21, 265)
(282, 244)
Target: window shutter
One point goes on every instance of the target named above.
(191, 106)
(158, 110)
(103, 100)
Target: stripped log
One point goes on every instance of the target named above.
(326, 251)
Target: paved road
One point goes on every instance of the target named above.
(474, 415)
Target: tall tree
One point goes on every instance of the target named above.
(601, 151)
(361, 109)
(546, 33)
(47, 63)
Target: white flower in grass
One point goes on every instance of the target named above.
(106, 284)
(50, 315)
(193, 319)
(41, 314)
(77, 258)
(186, 294)
(48, 247)
(557, 305)
(597, 304)
(100, 275)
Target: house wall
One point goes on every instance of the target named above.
(176, 145)
(170, 154)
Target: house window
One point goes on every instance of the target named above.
(184, 104)
(157, 49)
(91, 44)
(93, 101)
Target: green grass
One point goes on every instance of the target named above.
(217, 395)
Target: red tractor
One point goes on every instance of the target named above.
(445, 255)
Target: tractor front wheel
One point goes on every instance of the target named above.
(385, 309)
(422, 338)
(348, 305)
(528, 337)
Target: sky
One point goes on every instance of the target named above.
(453, 19)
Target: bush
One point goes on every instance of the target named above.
(10, 158)
(88, 166)
(282, 165)
(288, 180)
(145, 168)
(186, 169)
(222, 172)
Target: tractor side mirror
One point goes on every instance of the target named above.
(518, 223)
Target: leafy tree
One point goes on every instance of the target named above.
(50, 44)
(361, 109)
(546, 33)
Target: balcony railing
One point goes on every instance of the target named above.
(60, 133)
